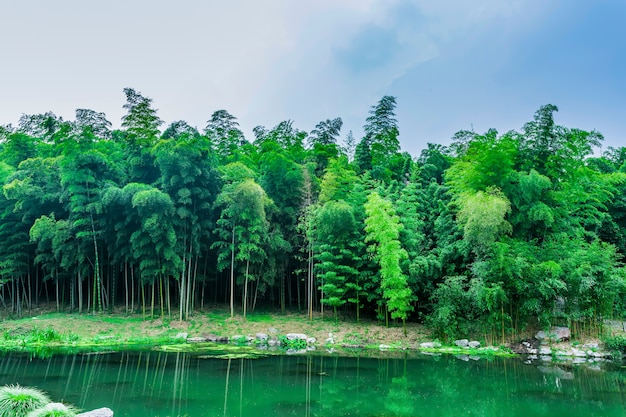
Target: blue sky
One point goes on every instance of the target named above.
(452, 65)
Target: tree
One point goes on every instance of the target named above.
(381, 131)
(242, 226)
(223, 130)
(383, 230)
(326, 132)
(141, 121)
(336, 227)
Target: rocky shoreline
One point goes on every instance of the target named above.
(553, 345)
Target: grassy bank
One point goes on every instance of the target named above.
(88, 332)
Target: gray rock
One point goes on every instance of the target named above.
(293, 336)
(272, 342)
(384, 347)
(100, 412)
(427, 345)
(181, 336)
(557, 334)
(545, 351)
(461, 342)
(262, 337)
(217, 339)
(474, 344)
(560, 333)
(197, 339)
(311, 340)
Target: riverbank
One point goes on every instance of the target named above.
(45, 331)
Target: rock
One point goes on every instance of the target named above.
(474, 344)
(427, 345)
(181, 336)
(474, 357)
(311, 340)
(100, 412)
(557, 334)
(461, 342)
(197, 339)
(384, 347)
(560, 333)
(545, 351)
(272, 342)
(293, 336)
(579, 353)
(464, 358)
(217, 339)
(262, 337)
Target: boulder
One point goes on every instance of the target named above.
(181, 336)
(217, 339)
(474, 344)
(262, 337)
(293, 336)
(557, 334)
(100, 412)
(461, 342)
(560, 333)
(197, 339)
(427, 345)
(311, 340)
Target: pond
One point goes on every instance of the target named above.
(163, 384)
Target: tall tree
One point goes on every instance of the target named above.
(383, 231)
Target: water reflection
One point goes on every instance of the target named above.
(178, 384)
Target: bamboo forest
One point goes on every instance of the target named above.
(488, 235)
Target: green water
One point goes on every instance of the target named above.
(178, 384)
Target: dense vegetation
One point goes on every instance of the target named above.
(490, 234)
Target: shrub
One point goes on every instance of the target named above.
(616, 343)
(17, 401)
(53, 410)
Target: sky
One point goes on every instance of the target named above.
(451, 64)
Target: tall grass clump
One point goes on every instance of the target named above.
(54, 410)
(17, 401)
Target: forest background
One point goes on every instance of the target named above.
(491, 235)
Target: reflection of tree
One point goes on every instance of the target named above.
(399, 399)
(340, 393)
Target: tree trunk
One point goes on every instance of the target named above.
(245, 289)
(232, 275)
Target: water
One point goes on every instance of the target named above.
(162, 384)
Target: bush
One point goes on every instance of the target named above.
(615, 343)
(296, 344)
(53, 410)
(17, 401)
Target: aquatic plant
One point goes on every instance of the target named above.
(18, 401)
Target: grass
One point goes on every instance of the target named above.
(18, 401)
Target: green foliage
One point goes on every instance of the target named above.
(383, 230)
(54, 410)
(295, 344)
(18, 401)
(616, 343)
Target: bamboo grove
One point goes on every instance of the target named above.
(489, 235)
